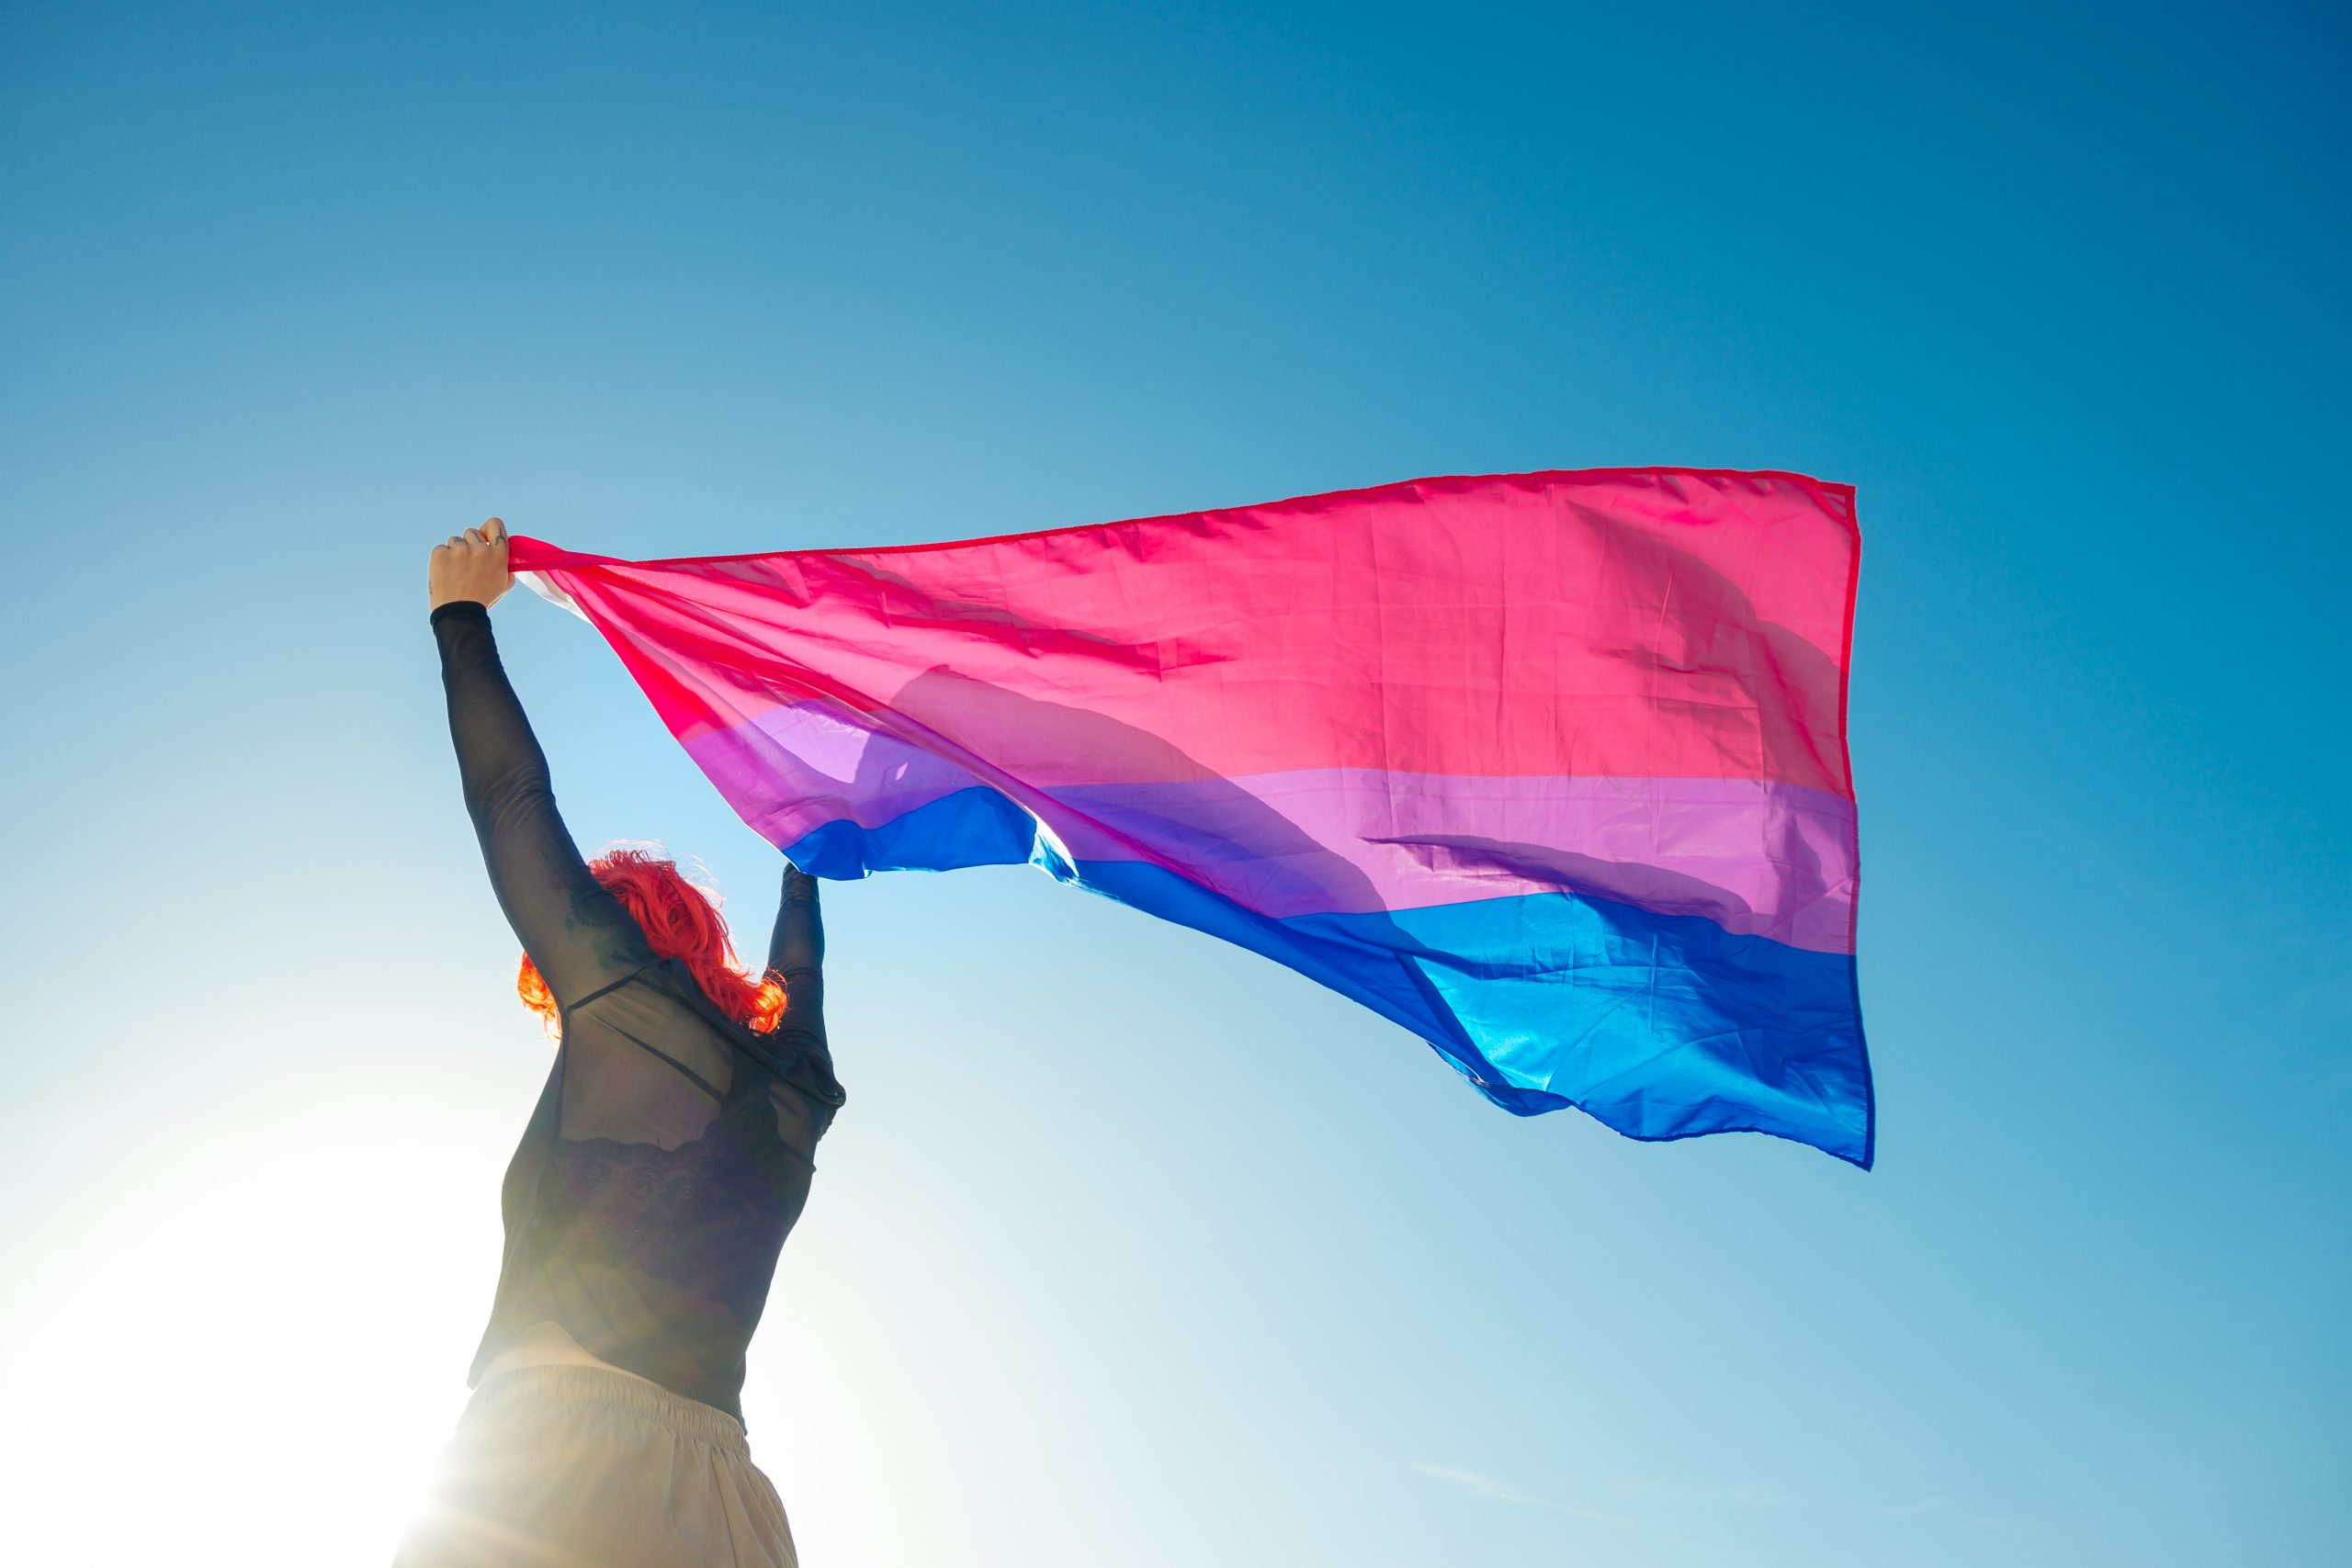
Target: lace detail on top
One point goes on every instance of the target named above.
(686, 1216)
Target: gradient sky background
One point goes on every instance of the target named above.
(1129, 1247)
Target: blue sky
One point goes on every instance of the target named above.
(1129, 1247)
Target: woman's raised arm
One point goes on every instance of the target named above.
(575, 931)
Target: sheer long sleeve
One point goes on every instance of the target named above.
(796, 955)
(576, 932)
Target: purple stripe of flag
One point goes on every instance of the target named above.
(1352, 841)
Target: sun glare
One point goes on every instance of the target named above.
(250, 1352)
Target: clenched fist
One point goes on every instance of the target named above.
(472, 565)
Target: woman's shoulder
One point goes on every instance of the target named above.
(799, 1057)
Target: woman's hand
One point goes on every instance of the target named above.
(472, 565)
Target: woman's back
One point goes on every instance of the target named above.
(671, 1151)
(668, 1158)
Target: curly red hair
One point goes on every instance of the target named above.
(680, 920)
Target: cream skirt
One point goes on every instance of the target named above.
(577, 1467)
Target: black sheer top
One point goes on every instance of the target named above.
(669, 1153)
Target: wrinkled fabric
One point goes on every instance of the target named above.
(1549, 769)
(581, 1467)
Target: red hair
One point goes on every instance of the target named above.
(680, 921)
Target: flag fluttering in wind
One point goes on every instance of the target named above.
(1550, 768)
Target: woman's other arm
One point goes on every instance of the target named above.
(797, 954)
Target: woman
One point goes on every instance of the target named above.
(667, 1159)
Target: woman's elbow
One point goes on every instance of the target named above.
(508, 797)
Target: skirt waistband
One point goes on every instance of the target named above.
(531, 1390)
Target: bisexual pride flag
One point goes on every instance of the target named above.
(1549, 769)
